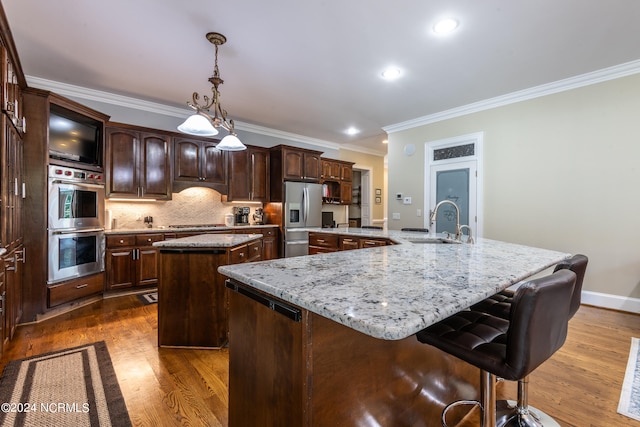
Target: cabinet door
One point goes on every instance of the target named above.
(259, 162)
(311, 167)
(346, 172)
(214, 166)
(147, 266)
(120, 266)
(269, 248)
(239, 176)
(346, 195)
(122, 159)
(293, 164)
(186, 160)
(155, 170)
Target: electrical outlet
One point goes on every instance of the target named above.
(419, 212)
(138, 216)
(396, 215)
(407, 201)
(399, 196)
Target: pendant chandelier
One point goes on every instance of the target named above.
(203, 123)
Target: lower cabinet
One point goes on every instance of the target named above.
(71, 290)
(131, 260)
(12, 294)
(328, 242)
(269, 245)
(192, 293)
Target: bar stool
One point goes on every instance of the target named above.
(510, 349)
(500, 303)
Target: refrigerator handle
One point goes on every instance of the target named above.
(305, 206)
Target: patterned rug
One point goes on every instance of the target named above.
(73, 387)
(150, 298)
(630, 396)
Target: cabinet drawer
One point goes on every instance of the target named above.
(347, 243)
(370, 243)
(323, 240)
(120, 240)
(238, 255)
(254, 251)
(148, 239)
(74, 289)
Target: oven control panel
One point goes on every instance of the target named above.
(76, 175)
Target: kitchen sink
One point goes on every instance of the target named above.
(432, 240)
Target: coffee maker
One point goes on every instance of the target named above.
(241, 215)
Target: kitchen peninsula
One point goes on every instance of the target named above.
(328, 339)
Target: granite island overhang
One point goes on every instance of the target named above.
(349, 356)
(392, 292)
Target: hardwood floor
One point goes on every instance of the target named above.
(579, 386)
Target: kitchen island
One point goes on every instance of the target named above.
(192, 303)
(329, 339)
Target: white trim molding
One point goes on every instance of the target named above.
(582, 80)
(614, 302)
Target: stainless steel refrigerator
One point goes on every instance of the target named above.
(302, 209)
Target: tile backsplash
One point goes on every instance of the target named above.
(196, 205)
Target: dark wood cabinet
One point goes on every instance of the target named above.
(192, 293)
(288, 163)
(13, 268)
(199, 163)
(131, 260)
(330, 242)
(137, 164)
(13, 187)
(249, 175)
(337, 176)
(71, 290)
(269, 243)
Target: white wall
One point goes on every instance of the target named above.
(561, 172)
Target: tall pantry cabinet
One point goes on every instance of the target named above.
(12, 184)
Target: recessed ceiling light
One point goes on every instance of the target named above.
(391, 73)
(352, 131)
(445, 26)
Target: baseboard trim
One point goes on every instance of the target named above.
(614, 302)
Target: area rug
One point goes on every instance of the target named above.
(150, 298)
(73, 387)
(630, 396)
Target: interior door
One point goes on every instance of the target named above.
(455, 182)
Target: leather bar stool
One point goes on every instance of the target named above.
(510, 349)
(500, 303)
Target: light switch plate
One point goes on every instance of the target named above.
(396, 215)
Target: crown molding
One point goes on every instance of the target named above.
(73, 91)
(353, 147)
(603, 75)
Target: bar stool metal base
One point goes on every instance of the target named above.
(509, 415)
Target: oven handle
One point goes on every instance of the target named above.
(77, 184)
(83, 231)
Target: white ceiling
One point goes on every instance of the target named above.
(313, 67)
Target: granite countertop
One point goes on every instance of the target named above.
(392, 292)
(167, 229)
(208, 241)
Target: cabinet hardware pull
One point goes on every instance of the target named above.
(84, 285)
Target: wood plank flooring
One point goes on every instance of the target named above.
(579, 386)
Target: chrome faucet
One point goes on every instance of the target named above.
(470, 238)
(432, 219)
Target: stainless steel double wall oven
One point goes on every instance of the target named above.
(75, 223)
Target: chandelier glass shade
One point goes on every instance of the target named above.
(210, 116)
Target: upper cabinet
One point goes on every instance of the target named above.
(137, 163)
(11, 91)
(297, 164)
(249, 175)
(336, 179)
(292, 164)
(198, 163)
